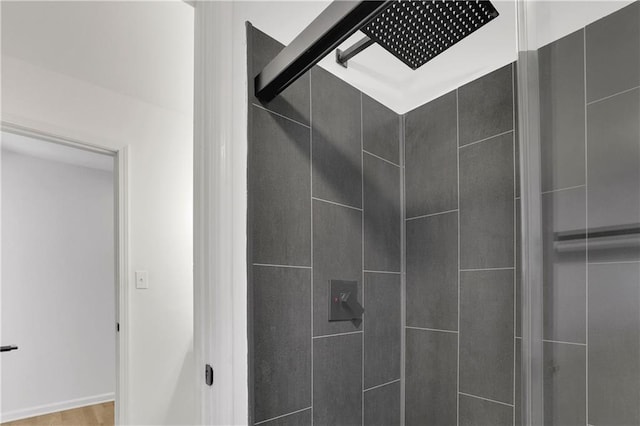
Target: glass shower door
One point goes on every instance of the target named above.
(580, 169)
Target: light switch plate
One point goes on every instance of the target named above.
(142, 279)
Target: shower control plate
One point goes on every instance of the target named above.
(343, 301)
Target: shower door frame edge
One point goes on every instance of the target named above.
(532, 387)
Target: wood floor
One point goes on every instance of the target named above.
(93, 415)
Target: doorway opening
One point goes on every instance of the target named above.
(61, 292)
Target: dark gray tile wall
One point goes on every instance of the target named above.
(337, 139)
(380, 130)
(381, 212)
(294, 101)
(430, 377)
(592, 281)
(486, 334)
(564, 266)
(317, 212)
(382, 405)
(382, 298)
(301, 418)
(485, 106)
(480, 412)
(431, 155)
(487, 204)
(564, 384)
(282, 335)
(613, 53)
(432, 272)
(562, 115)
(460, 255)
(613, 164)
(337, 255)
(614, 344)
(281, 231)
(337, 380)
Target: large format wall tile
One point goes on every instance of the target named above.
(380, 130)
(431, 175)
(382, 406)
(337, 380)
(431, 378)
(485, 106)
(562, 113)
(280, 181)
(302, 418)
(479, 412)
(282, 330)
(614, 344)
(337, 255)
(381, 215)
(613, 53)
(294, 101)
(564, 384)
(487, 204)
(613, 165)
(432, 272)
(382, 327)
(336, 139)
(564, 265)
(486, 334)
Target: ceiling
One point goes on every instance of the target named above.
(139, 49)
(51, 151)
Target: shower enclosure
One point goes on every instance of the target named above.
(491, 234)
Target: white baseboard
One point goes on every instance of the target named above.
(55, 407)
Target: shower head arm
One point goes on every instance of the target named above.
(342, 56)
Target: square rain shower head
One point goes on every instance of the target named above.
(415, 31)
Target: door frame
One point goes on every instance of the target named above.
(121, 252)
(220, 213)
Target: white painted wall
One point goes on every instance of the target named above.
(162, 389)
(58, 288)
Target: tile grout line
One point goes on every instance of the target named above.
(311, 200)
(308, 126)
(362, 250)
(484, 140)
(619, 262)
(515, 239)
(458, 231)
(562, 342)
(369, 271)
(410, 327)
(382, 385)
(431, 214)
(610, 96)
(403, 268)
(506, 268)
(380, 158)
(348, 333)
(273, 265)
(586, 215)
(563, 189)
(336, 204)
(486, 399)
(282, 416)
